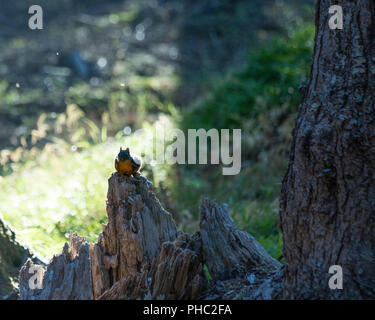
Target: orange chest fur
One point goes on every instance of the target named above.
(124, 167)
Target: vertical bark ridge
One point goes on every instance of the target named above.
(328, 194)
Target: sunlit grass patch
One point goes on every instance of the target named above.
(59, 191)
(64, 190)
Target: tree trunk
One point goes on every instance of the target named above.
(327, 203)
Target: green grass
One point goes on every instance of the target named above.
(58, 194)
(63, 190)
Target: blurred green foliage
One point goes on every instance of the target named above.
(261, 98)
(269, 80)
(56, 180)
(62, 187)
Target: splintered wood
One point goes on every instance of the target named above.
(141, 255)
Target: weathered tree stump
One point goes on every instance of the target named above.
(67, 276)
(238, 264)
(141, 255)
(176, 273)
(138, 255)
(227, 251)
(137, 227)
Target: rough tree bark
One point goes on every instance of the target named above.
(141, 255)
(137, 226)
(328, 193)
(237, 263)
(228, 252)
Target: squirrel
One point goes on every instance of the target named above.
(127, 164)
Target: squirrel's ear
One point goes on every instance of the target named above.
(127, 149)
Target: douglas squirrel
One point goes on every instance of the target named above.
(127, 164)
